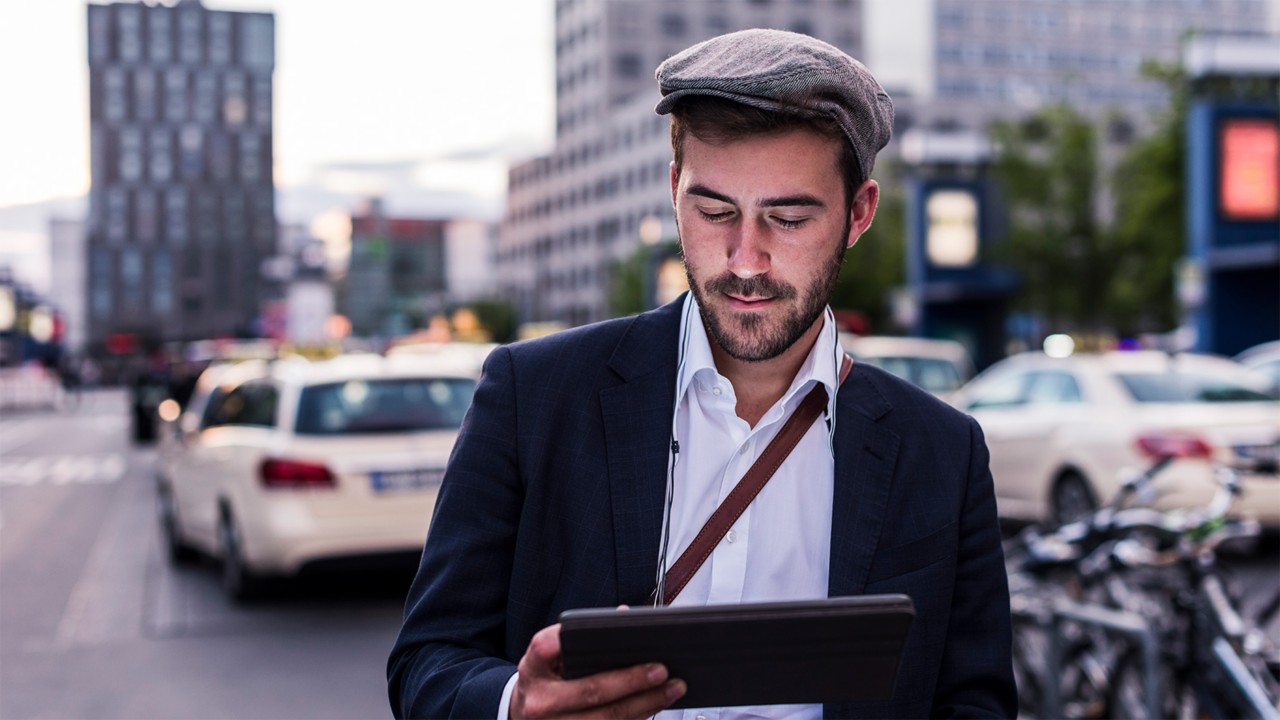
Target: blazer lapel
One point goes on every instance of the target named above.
(865, 456)
(637, 426)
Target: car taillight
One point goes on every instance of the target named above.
(276, 473)
(1175, 445)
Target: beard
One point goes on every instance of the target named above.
(752, 337)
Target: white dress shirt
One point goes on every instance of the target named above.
(780, 548)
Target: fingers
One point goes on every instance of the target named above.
(603, 694)
(542, 658)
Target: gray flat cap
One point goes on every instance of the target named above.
(787, 72)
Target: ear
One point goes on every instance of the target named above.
(862, 210)
(674, 180)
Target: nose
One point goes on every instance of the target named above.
(748, 254)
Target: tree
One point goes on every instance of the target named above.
(1048, 171)
(1150, 219)
(877, 264)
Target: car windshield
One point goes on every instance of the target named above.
(384, 406)
(932, 374)
(1191, 387)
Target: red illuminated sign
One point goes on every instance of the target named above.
(1250, 170)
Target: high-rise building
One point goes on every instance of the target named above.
(573, 214)
(958, 63)
(182, 206)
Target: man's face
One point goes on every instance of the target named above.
(764, 224)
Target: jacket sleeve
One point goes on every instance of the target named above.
(450, 659)
(976, 678)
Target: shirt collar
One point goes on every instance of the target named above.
(822, 364)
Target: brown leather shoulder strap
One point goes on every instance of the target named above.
(747, 489)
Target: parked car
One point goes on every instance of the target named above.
(1062, 430)
(939, 366)
(275, 464)
(1264, 358)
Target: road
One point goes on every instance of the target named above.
(95, 624)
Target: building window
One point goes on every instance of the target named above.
(100, 274)
(175, 95)
(161, 283)
(220, 38)
(161, 155)
(130, 167)
(262, 102)
(131, 279)
(129, 27)
(218, 156)
(627, 66)
(160, 33)
(191, 140)
(175, 213)
(250, 171)
(673, 25)
(189, 44)
(206, 98)
(116, 104)
(146, 214)
(257, 40)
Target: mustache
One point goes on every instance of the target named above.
(756, 285)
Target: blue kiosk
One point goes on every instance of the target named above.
(1231, 277)
(954, 290)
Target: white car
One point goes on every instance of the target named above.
(277, 464)
(1063, 430)
(1264, 358)
(939, 366)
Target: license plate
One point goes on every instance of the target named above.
(405, 479)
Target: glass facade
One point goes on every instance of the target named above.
(181, 162)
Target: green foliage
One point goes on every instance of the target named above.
(626, 284)
(1078, 273)
(496, 316)
(1150, 217)
(877, 263)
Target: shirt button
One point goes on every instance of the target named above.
(716, 391)
(730, 537)
(699, 717)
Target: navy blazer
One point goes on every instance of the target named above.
(553, 500)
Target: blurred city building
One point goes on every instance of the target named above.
(957, 63)
(68, 280)
(573, 214)
(405, 271)
(181, 208)
(951, 65)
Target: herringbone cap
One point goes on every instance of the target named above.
(787, 72)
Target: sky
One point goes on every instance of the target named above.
(407, 98)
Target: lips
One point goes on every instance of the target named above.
(748, 303)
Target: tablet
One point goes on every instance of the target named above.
(813, 651)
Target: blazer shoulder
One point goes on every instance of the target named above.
(883, 394)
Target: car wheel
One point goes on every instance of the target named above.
(238, 581)
(178, 552)
(1072, 498)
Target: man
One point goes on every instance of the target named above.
(590, 459)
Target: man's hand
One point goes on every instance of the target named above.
(540, 692)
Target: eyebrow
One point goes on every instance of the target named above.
(785, 201)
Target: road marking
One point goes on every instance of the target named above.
(66, 470)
